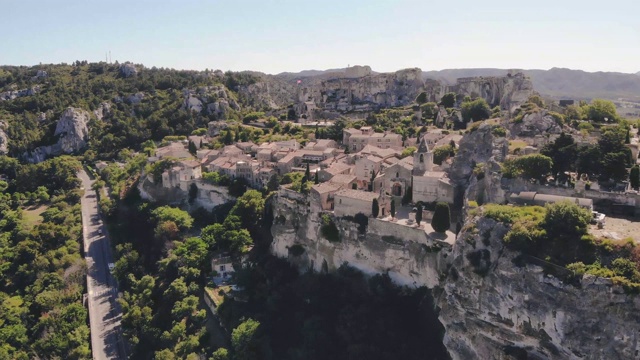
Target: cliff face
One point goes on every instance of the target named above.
(72, 133)
(492, 308)
(508, 92)
(359, 89)
(407, 254)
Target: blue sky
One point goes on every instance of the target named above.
(287, 35)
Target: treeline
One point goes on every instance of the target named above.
(42, 273)
(128, 122)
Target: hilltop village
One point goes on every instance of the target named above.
(497, 221)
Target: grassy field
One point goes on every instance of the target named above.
(515, 144)
(31, 215)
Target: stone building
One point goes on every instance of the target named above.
(182, 175)
(348, 202)
(429, 185)
(356, 139)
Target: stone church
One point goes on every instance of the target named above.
(429, 183)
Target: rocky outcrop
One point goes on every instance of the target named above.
(360, 89)
(4, 139)
(496, 306)
(103, 110)
(476, 166)
(208, 197)
(536, 123)
(135, 98)
(14, 94)
(216, 100)
(72, 133)
(405, 253)
(508, 92)
(128, 70)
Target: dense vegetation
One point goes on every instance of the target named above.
(558, 234)
(41, 269)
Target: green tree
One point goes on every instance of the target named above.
(441, 153)
(192, 147)
(307, 174)
(601, 110)
(563, 153)
(220, 354)
(180, 217)
(249, 208)
(419, 214)
(564, 224)
(476, 110)
(634, 177)
(448, 100)
(375, 208)
(421, 98)
(273, 183)
(245, 342)
(393, 208)
(316, 179)
(441, 220)
(408, 151)
(533, 166)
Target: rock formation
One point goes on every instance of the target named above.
(103, 110)
(496, 307)
(536, 123)
(14, 94)
(359, 89)
(508, 92)
(407, 254)
(215, 99)
(72, 133)
(4, 140)
(128, 70)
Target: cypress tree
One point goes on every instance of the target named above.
(441, 218)
(634, 177)
(307, 174)
(419, 214)
(393, 208)
(317, 179)
(375, 208)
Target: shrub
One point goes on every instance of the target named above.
(329, 229)
(499, 131)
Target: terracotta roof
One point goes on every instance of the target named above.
(342, 179)
(337, 168)
(326, 187)
(357, 194)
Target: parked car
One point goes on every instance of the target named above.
(598, 218)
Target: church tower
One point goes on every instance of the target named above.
(422, 158)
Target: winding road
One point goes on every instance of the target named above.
(104, 312)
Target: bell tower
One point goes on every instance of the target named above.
(422, 158)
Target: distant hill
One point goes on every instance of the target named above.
(560, 82)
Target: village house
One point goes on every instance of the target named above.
(323, 194)
(348, 202)
(356, 139)
(182, 175)
(338, 168)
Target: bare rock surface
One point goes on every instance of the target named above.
(72, 133)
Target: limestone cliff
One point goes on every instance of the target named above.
(208, 196)
(14, 94)
(534, 124)
(508, 92)
(407, 254)
(495, 306)
(360, 89)
(476, 167)
(215, 100)
(72, 134)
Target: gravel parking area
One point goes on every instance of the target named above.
(618, 228)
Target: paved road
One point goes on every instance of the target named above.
(104, 312)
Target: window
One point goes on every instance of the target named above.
(340, 201)
(222, 268)
(421, 158)
(397, 175)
